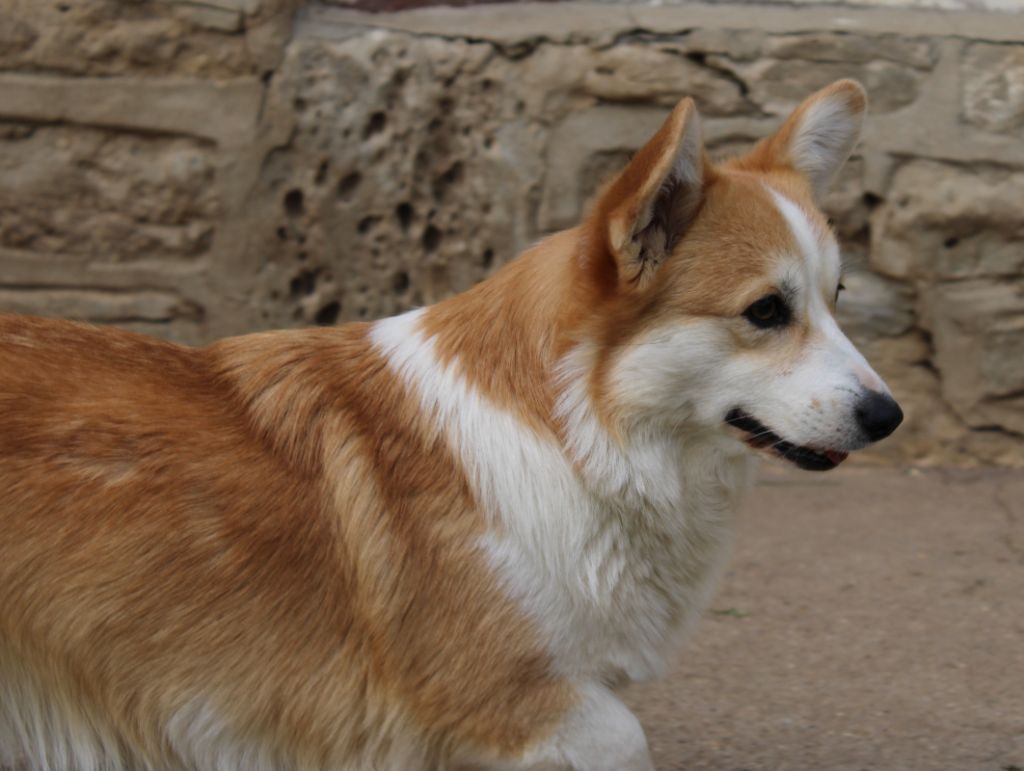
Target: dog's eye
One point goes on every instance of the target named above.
(839, 289)
(769, 311)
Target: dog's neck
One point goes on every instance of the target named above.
(525, 340)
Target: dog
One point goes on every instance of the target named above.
(435, 541)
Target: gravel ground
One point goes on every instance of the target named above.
(870, 620)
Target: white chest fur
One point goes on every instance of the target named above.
(612, 564)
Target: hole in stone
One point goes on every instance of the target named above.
(321, 171)
(274, 294)
(301, 256)
(446, 105)
(63, 7)
(486, 84)
(697, 57)
(400, 282)
(487, 260)
(294, 203)
(282, 234)
(367, 223)
(446, 180)
(348, 184)
(363, 313)
(950, 242)
(299, 104)
(404, 212)
(304, 283)
(431, 239)
(605, 71)
(375, 125)
(871, 200)
(488, 142)
(328, 314)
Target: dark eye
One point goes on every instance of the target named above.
(769, 311)
(839, 289)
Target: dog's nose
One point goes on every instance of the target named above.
(878, 415)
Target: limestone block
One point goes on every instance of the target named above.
(102, 306)
(948, 222)
(919, 53)
(408, 177)
(993, 87)
(112, 37)
(660, 74)
(223, 111)
(891, 68)
(106, 195)
(978, 331)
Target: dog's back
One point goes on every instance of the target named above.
(179, 586)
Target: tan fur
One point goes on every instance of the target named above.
(269, 529)
(175, 520)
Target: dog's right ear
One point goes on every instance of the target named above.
(647, 209)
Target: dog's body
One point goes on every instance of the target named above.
(434, 541)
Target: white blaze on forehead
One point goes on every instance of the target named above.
(820, 255)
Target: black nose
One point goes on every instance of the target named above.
(878, 415)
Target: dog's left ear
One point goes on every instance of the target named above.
(817, 138)
(648, 207)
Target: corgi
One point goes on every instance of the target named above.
(435, 541)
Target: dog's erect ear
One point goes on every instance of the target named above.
(649, 206)
(818, 137)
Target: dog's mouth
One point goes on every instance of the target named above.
(761, 437)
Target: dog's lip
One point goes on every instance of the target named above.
(761, 437)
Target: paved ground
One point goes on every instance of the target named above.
(871, 620)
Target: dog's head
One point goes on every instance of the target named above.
(718, 288)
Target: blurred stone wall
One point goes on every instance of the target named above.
(199, 169)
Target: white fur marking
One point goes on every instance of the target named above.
(610, 564)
